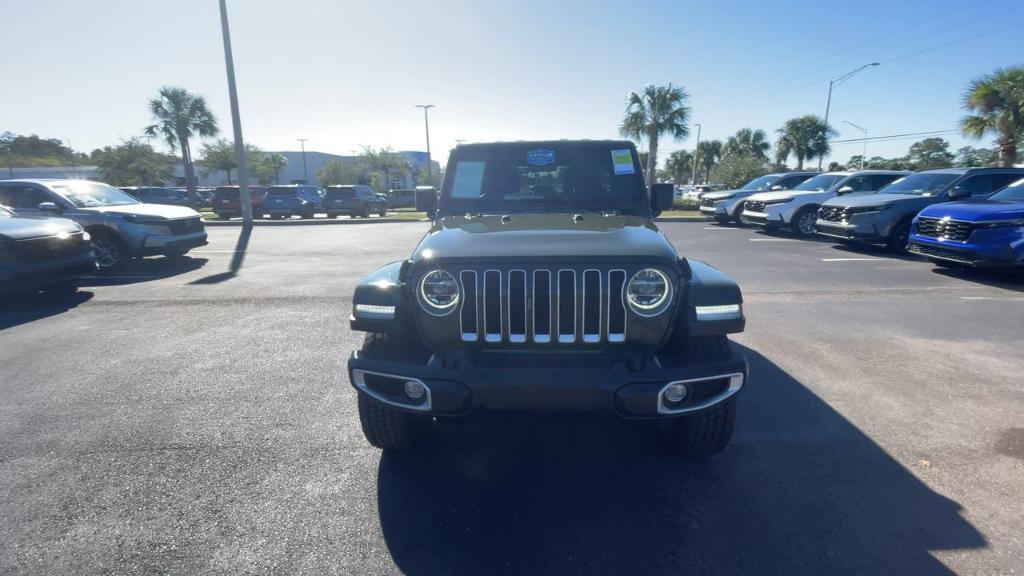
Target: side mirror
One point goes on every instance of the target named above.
(49, 207)
(959, 192)
(776, 188)
(844, 190)
(426, 201)
(662, 196)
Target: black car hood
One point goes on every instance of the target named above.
(560, 235)
(20, 228)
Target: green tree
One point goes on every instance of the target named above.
(968, 156)
(709, 152)
(133, 163)
(679, 166)
(33, 150)
(805, 137)
(879, 163)
(930, 153)
(219, 156)
(736, 170)
(747, 142)
(385, 163)
(178, 116)
(336, 172)
(267, 167)
(653, 112)
(996, 103)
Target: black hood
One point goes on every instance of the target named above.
(558, 235)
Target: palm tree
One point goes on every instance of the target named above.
(709, 153)
(679, 165)
(655, 111)
(747, 142)
(275, 163)
(997, 101)
(805, 137)
(180, 115)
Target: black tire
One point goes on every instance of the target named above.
(366, 211)
(386, 427)
(804, 220)
(383, 211)
(223, 217)
(307, 213)
(706, 432)
(898, 237)
(737, 218)
(111, 251)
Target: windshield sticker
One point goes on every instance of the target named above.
(622, 161)
(540, 156)
(469, 178)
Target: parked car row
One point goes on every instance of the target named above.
(54, 231)
(300, 200)
(951, 216)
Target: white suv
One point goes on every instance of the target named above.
(797, 209)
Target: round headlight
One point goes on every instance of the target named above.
(648, 291)
(440, 291)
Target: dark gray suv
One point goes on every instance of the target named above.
(884, 218)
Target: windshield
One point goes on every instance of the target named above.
(340, 193)
(1014, 192)
(85, 194)
(920, 184)
(539, 177)
(759, 184)
(820, 182)
(283, 192)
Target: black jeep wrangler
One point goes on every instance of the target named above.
(543, 284)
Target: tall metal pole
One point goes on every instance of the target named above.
(828, 102)
(240, 159)
(305, 172)
(696, 155)
(426, 124)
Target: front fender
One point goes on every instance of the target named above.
(383, 288)
(708, 286)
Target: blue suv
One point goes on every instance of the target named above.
(293, 200)
(978, 233)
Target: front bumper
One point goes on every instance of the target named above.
(163, 244)
(24, 278)
(978, 254)
(550, 382)
(766, 219)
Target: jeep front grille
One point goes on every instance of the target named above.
(944, 228)
(832, 213)
(542, 306)
(753, 206)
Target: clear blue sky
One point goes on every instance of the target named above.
(345, 74)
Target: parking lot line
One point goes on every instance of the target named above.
(850, 259)
(770, 239)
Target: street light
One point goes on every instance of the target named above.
(864, 153)
(426, 124)
(305, 173)
(696, 155)
(836, 82)
(240, 159)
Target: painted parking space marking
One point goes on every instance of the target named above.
(771, 239)
(851, 259)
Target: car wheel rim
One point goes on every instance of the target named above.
(807, 223)
(106, 253)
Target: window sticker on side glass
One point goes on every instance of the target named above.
(540, 156)
(469, 179)
(622, 161)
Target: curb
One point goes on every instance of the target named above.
(313, 222)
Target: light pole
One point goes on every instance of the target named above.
(305, 172)
(696, 155)
(832, 84)
(426, 124)
(864, 153)
(240, 159)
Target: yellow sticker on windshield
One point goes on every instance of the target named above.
(622, 161)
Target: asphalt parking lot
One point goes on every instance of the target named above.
(195, 417)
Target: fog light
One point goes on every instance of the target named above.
(676, 393)
(414, 389)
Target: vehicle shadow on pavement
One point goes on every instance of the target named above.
(995, 277)
(29, 308)
(236, 260)
(874, 250)
(145, 270)
(800, 491)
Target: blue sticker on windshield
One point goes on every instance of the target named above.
(540, 156)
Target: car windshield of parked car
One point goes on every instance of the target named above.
(920, 184)
(544, 177)
(820, 182)
(1013, 193)
(760, 184)
(340, 193)
(85, 194)
(283, 192)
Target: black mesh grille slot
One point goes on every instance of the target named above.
(566, 306)
(616, 310)
(944, 228)
(753, 206)
(928, 227)
(517, 306)
(542, 306)
(591, 306)
(832, 213)
(707, 202)
(469, 304)
(492, 306)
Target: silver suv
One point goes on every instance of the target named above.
(121, 227)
